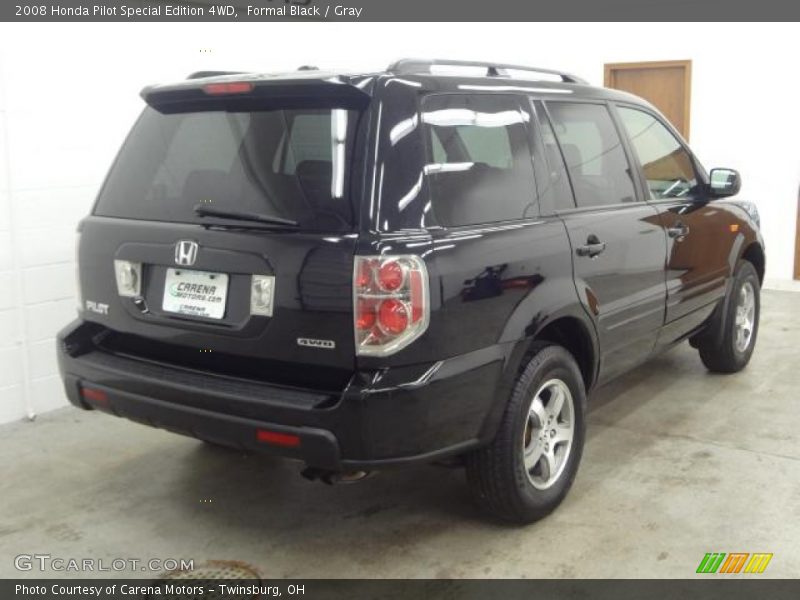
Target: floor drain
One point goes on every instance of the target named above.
(209, 575)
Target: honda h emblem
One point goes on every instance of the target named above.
(185, 253)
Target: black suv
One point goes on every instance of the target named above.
(431, 264)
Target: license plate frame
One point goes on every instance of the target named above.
(190, 293)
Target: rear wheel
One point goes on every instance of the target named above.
(728, 346)
(528, 469)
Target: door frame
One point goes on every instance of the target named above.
(610, 68)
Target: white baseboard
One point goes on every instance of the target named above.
(784, 285)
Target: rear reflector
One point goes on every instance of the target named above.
(287, 440)
(94, 395)
(233, 87)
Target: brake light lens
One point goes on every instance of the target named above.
(364, 275)
(366, 315)
(393, 316)
(391, 303)
(231, 87)
(390, 276)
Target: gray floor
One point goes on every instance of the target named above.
(678, 463)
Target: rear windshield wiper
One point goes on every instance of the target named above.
(209, 211)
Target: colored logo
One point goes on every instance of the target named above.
(735, 562)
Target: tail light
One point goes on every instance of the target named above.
(390, 301)
(229, 87)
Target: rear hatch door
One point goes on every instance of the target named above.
(227, 227)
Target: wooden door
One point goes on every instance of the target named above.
(665, 84)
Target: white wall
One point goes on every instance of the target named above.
(69, 93)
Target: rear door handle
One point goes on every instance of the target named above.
(592, 248)
(678, 231)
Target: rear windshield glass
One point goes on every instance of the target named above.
(291, 163)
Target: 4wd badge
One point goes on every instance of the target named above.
(312, 343)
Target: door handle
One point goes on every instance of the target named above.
(678, 231)
(592, 248)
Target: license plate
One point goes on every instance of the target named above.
(195, 293)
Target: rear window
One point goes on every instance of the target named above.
(481, 170)
(290, 163)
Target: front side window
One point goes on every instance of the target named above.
(667, 165)
(480, 168)
(593, 152)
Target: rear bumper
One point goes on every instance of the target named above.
(381, 419)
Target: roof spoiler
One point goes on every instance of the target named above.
(204, 74)
(255, 93)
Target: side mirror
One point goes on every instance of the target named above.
(724, 182)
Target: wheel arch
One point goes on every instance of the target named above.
(568, 327)
(577, 337)
(754, 254)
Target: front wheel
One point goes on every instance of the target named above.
(728, 346)
(527, 470)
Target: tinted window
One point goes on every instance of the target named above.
(285, 163)
(305, 140)
(481, 169)
(666, 164)
(487, 145)
(558, 189)
(596, 161)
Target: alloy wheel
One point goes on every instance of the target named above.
(744, 319)
(549, 431)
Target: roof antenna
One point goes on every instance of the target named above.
(308, 68)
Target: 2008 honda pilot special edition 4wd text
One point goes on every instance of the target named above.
(431, 264)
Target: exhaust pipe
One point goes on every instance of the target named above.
(332, 477)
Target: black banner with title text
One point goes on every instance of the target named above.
(711, 588)
(405, 10)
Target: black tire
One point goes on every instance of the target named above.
(497, 475)
(718, 346)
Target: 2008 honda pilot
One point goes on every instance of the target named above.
(428, 264)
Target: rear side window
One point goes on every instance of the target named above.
(593, 152)
(667, 165)
(480, 168)
(292, 164)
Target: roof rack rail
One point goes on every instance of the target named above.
(408, 66)
(201, 74)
